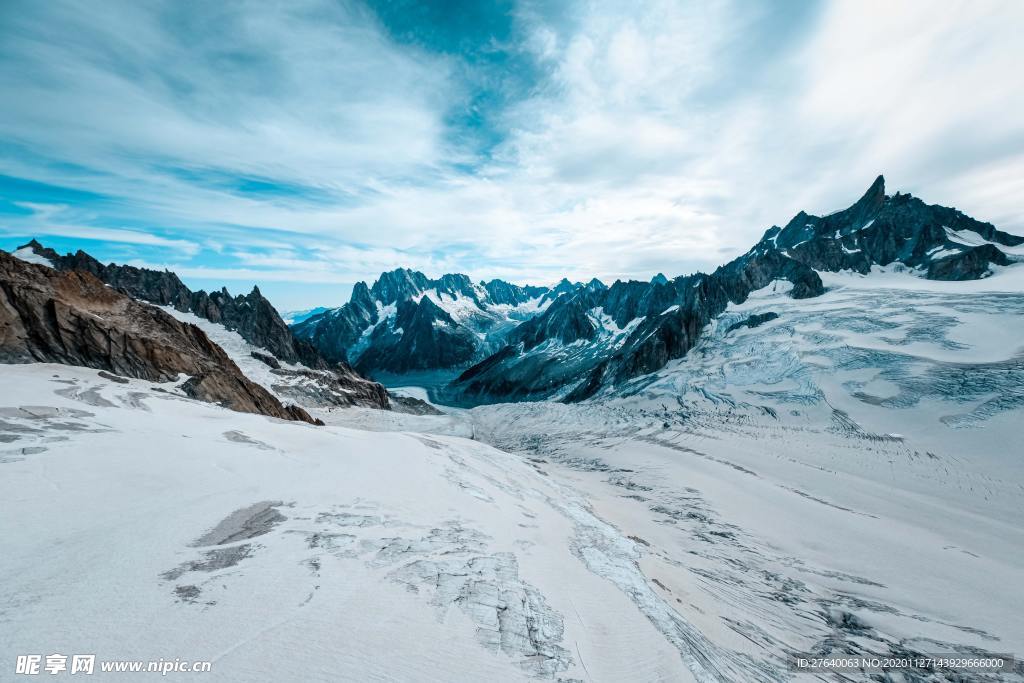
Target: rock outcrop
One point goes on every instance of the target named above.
(74, 318)
(252, 316)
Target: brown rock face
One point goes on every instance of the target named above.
(73, 318)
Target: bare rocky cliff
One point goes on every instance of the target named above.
(73, 318)
(252, 316)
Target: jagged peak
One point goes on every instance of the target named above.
(874, 196)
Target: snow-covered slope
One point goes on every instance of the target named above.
(293, 382)
(844, 477)
(138, 525)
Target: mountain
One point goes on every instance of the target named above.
(73, 318)
(299, 372)
(598, 337)
(407, 321)
(938, 242)
(251, 315)
(295, 317)
(827, 472)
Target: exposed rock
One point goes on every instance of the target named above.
(969, 264)
(881, 230)
(112, 378)
(73, 318)
(267, 359)
(657, 322)
(341, 387)
(413, 406)
(422, 336)
(753, 321)
(252, 316)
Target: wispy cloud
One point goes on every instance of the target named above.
(320, 141)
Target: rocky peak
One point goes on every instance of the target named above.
(881, 230)
(455, 284)
(72, 317)
(501, 292)
(252, 315)
(362, 300)
(398, 285)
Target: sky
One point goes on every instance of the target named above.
(306, 145)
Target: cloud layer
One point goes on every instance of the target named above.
(322, 142)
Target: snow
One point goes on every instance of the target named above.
(385, 316)
(29, 255)
(1003, 279)
(943, 253)
(526, 309)
(972, 239)
(773, 290)
(239, 351)
(387, 556)
(856, 456)
(845, 477)
(459, 307)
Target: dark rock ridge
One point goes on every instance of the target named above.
(252, 316)
(407, 321)
(595, 337)
(601, 336)
(879, 230)
(73, 318)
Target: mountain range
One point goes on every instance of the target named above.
(572, 340)
(688, 478)
(407, 321)
(505, 342)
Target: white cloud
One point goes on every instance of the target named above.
(666, 136)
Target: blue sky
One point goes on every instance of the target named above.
(309, 144)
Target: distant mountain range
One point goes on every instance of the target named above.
(600, 337)
(570, 341)
(296, 317)
(407, 321)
